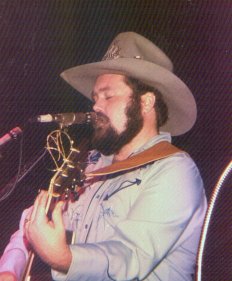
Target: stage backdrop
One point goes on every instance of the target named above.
(39, 39)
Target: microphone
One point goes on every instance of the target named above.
(10, 136)
(66, 119)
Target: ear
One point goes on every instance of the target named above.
(147, 102)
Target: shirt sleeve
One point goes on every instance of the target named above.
(15, 254)
(169, 210)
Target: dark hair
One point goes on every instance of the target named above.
(139, 88)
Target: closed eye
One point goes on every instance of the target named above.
(107, 98)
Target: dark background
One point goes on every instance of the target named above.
(39, 39)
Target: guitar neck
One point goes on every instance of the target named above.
(52, 200)
(27, 271)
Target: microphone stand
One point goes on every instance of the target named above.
(10, 186)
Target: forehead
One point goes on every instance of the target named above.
(109, 81)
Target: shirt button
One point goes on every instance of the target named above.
(86, 226)
(97, 196)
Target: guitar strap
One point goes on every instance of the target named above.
(158, 151)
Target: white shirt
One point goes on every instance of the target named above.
(141, 225)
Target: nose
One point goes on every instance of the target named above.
(99, 106)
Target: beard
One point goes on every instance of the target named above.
(107, 140)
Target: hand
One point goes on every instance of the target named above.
(47, 237)
(7, 276)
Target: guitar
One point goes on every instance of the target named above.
(66, 183)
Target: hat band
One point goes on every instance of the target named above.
(114, 53)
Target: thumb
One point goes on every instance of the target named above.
(57, 217)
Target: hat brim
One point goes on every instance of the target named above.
(179, 99)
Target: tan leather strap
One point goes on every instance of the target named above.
(159, 151)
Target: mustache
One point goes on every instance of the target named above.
(100, 118)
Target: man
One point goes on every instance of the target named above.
(142, 222)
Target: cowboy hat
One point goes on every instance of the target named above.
(133, 55)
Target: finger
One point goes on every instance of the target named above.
(26, 216)
(41, 214)
(8, 276)
(26, 226)
(57, 216)
(35, 206)
(26, 222)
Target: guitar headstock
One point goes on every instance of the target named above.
(69, 172)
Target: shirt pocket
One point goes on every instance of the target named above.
(117, 203)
